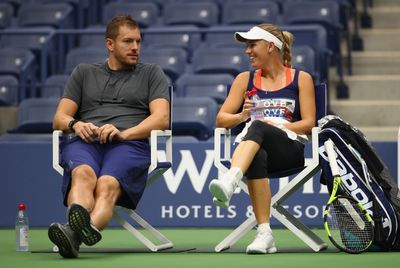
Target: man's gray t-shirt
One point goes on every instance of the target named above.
(120, 98)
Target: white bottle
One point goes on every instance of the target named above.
(22, 229)
(256, 113)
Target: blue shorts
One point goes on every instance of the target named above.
(127, 161)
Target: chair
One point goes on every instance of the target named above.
(201, 14)
(248, 12)
(186, 37)
(92, 36)
(80, 7)
(314, 36)
(303, 58)
(8, 90)
(144, 13)
(157, 168)
(220, 60)
(6, 15)
(222, 162)
(171, 59)
(84, 55)
(35, 115)
(52, 15)
(54, 85)
(41, 15)
(194, 116)
(203, 85)
(40, 40)
(160, 3)
(223, 36)
(20, 63)
(327, 14)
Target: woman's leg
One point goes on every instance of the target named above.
(223, 188)
(244, 154)
(260, 195)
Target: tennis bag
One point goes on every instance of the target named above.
(358, 161)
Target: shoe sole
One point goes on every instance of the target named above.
(219, 203)
(60, 239)
(217, 192)
(255, 251)
(79, 220)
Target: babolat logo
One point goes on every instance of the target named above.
(351, 182)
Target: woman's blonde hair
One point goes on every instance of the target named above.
(286, 38)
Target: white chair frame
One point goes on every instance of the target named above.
(277, 210)
(155, 171)
(222, 140)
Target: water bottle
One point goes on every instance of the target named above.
(256, 112)
(22, 229)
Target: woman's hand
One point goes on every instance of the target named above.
(245, 113)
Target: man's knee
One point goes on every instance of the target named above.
(108, 187)
(83, 174)
(83, 171)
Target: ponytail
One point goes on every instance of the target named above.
(287, 40)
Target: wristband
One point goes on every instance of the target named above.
(72, 123)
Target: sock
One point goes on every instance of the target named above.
(264, 228)
(234, 172)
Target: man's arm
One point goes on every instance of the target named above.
(65, 114)
(158, 119)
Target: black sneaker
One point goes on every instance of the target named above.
(79, 220)
(65, 239)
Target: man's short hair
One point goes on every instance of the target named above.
(118, 21)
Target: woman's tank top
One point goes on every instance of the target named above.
(282, 104)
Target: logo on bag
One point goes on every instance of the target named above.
(351, 185)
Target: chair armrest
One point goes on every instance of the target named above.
(56, 151)
(222, 155)
(315, 143)
(154, 135)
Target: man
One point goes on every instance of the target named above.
(112, 108)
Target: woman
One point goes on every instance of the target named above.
(275, 142)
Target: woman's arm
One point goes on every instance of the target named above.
(228, 116)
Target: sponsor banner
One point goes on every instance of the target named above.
(179, 198)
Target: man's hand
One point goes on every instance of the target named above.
(109, 133)
(86, 131)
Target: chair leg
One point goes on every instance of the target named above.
(234, 236)
(281, 214)
(296, 227)
(289, 221)
(165, 243)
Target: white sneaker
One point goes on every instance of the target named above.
(222, 189)
(263, 243)
(219, 203)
